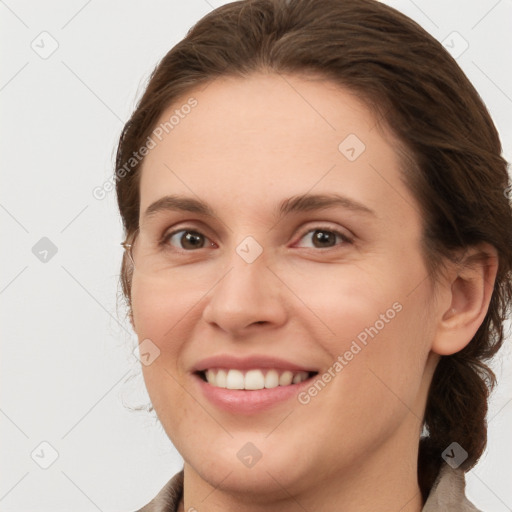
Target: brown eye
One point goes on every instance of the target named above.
(323, 239)
(187, 239)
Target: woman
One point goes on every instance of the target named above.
(318, 260)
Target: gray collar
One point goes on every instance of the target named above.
(449, 492)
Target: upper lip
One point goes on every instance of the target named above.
(248, 363)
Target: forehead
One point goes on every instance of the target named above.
(259, 139)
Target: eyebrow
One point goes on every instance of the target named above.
(295, 204)
(309, 202)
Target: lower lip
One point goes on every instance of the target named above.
(241, 401)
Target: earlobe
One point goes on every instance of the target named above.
(470, 291)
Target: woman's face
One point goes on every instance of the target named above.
(304, 256)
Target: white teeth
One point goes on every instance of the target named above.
(253, 379)
(272, 379)
(235, 379)
(221, 378)
(297, 378)
(286, 378)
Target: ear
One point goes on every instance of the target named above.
(468, 289)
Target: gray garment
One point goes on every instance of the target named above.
(447, 494)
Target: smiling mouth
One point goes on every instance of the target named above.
(253, 380)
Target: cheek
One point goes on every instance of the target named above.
(376, 332)
(378, 358)
(348, 302)
(158, 313)
(158, 316)
(160, 310)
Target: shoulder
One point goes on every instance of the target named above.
(168, 499)
(449, 492)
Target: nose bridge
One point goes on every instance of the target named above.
(247, 293)
(246, 277)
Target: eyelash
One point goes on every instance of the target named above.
(344, 238)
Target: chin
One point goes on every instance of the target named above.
(228, 466)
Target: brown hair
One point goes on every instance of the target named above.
(412, 84)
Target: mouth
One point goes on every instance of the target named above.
(253, 379)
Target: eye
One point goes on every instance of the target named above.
(323, 238)
(187, 239)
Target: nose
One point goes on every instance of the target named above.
(247, 297)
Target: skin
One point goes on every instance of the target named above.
(248, 145)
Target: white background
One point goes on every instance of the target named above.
(67, 372)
